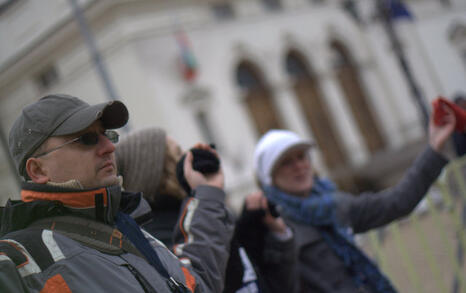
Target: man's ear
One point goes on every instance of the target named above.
(35, 171)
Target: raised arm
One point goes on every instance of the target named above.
(371, 210)
(205, 228)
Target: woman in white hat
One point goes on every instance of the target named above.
(324, 218)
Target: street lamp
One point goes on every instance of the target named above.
(95, 54)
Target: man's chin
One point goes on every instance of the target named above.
(109, 181)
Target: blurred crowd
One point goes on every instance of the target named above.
(143, 215)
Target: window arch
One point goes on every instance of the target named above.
(306, 86)
(296, 65)
(257, 97)
(311, 99)
(347, 73)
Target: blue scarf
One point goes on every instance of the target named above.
(319, 210)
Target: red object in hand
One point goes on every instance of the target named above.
(439, 113)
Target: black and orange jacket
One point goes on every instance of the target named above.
(54, 259)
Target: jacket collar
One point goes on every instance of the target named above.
(42, 200)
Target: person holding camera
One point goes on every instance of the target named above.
(73, 229)
(324, 219)
(152, 162)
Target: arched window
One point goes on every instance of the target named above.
(320, 119)
(257, 97)
(296, 66)
(307, 90)
(348, 77)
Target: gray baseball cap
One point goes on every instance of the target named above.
(57, 115)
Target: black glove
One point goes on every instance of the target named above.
(273, 210)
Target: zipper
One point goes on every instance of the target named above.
(174, 285)
(140, 278)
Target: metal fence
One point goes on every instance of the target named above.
(425, 252)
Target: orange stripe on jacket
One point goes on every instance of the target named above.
(185, 235)
(85, 199)
(190, 280)
(56, 284)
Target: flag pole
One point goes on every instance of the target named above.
(385, 15)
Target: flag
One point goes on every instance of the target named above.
(398, 10)
(187, 60)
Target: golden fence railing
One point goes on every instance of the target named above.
(425, 252)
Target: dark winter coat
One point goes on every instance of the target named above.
(320, 269)
(270, 269)
(57, 259)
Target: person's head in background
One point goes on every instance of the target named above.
(147, 159)
(61, 139)
(282, 159)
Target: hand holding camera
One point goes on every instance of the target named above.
(257, 204)
(200, 165)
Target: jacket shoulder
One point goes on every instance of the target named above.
(31, 250)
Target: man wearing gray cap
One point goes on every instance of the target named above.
(73, 231)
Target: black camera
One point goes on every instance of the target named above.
(204, 161)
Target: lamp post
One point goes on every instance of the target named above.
(11, 164)
(95, 54)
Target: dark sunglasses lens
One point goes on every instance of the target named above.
(90, 138)
(112, 135)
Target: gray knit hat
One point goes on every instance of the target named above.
(140, 159)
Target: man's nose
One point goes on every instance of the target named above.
(105, 145)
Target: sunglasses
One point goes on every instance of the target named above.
(88, 139)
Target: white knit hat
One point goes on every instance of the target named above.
(271, 147)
